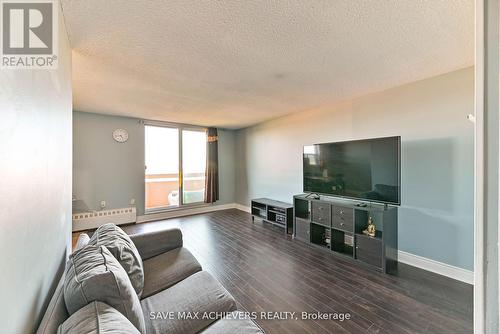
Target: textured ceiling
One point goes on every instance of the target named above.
(237, 63)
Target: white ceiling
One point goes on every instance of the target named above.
(236, 63)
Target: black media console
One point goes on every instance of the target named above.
(337, 226)
(275, 212)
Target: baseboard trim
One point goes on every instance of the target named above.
(243, 208)
(183, 212)
(424, 263)
(457, 273)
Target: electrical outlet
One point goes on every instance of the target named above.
(132, 201)
(103, 204)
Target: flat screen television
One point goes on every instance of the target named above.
(366, 170)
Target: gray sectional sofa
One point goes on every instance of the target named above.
(177, 295)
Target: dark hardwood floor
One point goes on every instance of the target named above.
(268, 272)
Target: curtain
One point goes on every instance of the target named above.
(212, 169)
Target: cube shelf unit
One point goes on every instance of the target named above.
(337, 226)
(275, 212)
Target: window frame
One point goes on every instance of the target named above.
(180, 127)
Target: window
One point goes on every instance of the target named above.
(175, 166)
(194, 160)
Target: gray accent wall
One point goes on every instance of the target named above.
(103, 169)
(114, 172)
(227, 170)
(35, 187)
(436, 215)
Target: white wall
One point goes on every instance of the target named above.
(35, 188)
(105, 170)
(436, 215)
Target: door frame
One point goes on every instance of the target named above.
(478, 299)
(486, 152)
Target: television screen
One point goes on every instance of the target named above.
(367, 170)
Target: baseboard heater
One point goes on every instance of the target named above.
(94, 219)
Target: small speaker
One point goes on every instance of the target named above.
(281, 218)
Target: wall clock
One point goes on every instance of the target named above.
(120, 135)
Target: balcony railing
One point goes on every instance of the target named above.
(162, 190)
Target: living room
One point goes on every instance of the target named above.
(235, 166)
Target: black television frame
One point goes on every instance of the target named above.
(362, 200)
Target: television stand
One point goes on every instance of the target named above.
(313, 196)
(337, 226)
(275, 212)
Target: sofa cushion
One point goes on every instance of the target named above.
(233, 323)
(97, 318)
(166, 269)
(92, 273)
(199, 292)
(124, 250)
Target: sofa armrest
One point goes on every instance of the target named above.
(150, 244)
(56, 312)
